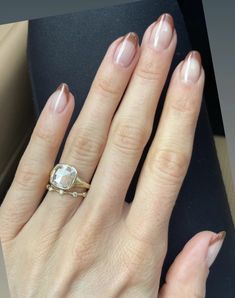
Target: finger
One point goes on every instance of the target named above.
(87, 138)
(32, 174)
(133, 122)
(169, 156)
(188, 274)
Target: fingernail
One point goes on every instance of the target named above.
(191, 68)
(126, 50)
(59, 98)
(215, 247)
(162, 33)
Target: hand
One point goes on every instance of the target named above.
(61, 246)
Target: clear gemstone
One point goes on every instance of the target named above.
(63, 177)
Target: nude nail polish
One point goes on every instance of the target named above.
(215, 247)
(191, 68)
(59, 98)
(162, 32)
(126, 50)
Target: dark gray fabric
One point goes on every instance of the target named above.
(195, 23)
(69, 49)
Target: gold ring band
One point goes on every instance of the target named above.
(71, 193)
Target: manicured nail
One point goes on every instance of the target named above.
(126, 50)
(215, 247)
(191, 68)
(162, 33)
(59, 98)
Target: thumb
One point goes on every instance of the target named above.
(188, 274)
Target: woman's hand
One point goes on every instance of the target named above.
(103, 247)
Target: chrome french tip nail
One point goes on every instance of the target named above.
(168, 18)
(215, 246)
(132, 37)
(192, 67)
(219, 236)
(126, 50)
(59, 98)
(63, 87)
(162, 32)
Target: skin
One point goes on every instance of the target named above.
(102, 246)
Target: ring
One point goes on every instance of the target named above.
(64, 179)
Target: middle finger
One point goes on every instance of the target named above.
(132, 124)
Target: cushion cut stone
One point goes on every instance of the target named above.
(63, 176)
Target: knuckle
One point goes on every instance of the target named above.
(142, 240)
(107, 86)
(136, 255)
(82, 257)
(26, 177)
(87, 144)
(130, 138)
(169, 165)
(184, 104)
(133, 261)
(84, 251)
(44, 136)
(148, 74)
(148, 70)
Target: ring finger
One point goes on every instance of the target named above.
(87, 138)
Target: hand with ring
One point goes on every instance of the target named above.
(82, 239)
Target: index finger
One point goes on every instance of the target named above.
(29, 185)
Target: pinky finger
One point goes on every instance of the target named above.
(188, 275)
(31, 177)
